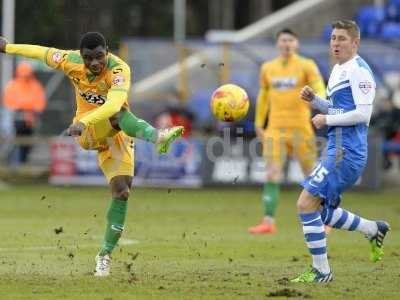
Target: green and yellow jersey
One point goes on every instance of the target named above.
(280, 84)
(105, 93)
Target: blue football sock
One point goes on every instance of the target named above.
(314, 234)
(342, 219)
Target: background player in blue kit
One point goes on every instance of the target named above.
(351, 91)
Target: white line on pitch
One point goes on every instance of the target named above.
(122, 242)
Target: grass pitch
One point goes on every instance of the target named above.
(187, 244)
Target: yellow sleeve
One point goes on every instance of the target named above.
(262, 105)
(120, 77)
(115, 100)
(29, 51)
(315, 80)
(54, 58)
(116, 97)
(57, 59)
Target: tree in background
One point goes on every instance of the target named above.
(62, 22)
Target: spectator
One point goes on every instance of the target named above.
(25, 96)
(175, 115)
(387, 121)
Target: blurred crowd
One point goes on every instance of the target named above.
(387, 122)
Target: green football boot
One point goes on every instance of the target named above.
(166, 137)
(313, 276)
(376, 241)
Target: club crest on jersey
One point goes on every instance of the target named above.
(93, 98)
(343, 75)
(102, 86)
(365, 86)
(118, 80)
(56, 57)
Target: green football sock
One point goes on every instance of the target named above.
(136, 127)
(115, 225)
(270, 198)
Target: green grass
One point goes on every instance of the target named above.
(192, 244)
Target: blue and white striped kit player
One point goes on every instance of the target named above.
(351, 91)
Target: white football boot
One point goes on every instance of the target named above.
(102, 265)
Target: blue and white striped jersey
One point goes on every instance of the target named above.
(351, 83)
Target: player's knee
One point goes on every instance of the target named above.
(273, 177)
(302, 205)
(120, 188)
(121, 193)
(307, 202)
(114, 120)
(274, 174)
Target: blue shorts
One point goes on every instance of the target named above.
(331, 177)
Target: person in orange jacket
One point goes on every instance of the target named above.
(25, 96)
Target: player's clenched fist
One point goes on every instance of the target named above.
(307, 93)
(319, 121)
(3, 43)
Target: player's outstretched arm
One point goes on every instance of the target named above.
(29, 51)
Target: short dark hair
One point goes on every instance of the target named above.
(350, 26)
(92, 39)
(286, 31)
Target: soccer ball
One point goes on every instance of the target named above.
(229, 103)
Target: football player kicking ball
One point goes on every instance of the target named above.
(103, 121)
(351, 91)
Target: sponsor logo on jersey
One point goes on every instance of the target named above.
(335, 111)
(118, 80)
(365, 86)
(284, 83)
(57, 57)
(93, 98)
